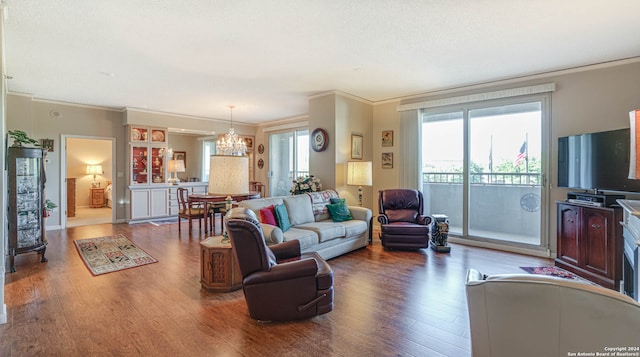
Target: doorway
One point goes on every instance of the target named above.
(87, 181)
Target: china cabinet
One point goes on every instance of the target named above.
(26, 179)
(147, 161)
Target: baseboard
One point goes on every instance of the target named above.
(543, 253)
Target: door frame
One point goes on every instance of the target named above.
(63, 174)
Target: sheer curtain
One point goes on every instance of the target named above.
(410, 160)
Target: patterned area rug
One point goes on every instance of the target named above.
(555, 271)
(108, 254)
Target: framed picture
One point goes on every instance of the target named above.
(356, 146)
(181, 155)
(387, 138)
(248, 140)
(387, 160)
(47, 144)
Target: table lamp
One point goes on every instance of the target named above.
(94, 170)
(174, 166)
(228, 175)
(359, 174)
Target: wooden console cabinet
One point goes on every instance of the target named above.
(590, 242)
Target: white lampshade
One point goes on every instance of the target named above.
(634, 154)
(228, 175)
(175, 166)
(359, 173)
(94, 170)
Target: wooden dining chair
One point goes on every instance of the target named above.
(189, 210)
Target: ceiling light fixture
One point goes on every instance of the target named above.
(230, 143)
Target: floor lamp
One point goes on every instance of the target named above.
(359, 174)
(228, 176)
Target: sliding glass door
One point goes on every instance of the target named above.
(483, 167)
(288, 159)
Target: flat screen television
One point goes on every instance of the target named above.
(596, 161)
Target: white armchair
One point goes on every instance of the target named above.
(536, 315)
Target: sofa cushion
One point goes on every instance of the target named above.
(256, 205)
(282, 217)
(306, 237)
(319, 202)
(268, 215)
(299, 208)
(339, 212)
(326, 230)
(354, 227)
(338, 200)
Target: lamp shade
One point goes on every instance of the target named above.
(634, 152)
(94, 169)
(359, 173)
(175, 166)
(228, 175)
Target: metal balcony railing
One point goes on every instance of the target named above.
(494, 178)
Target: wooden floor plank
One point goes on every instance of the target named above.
(391, 303)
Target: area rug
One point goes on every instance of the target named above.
(108, 254)
(555, 271)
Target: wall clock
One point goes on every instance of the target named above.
(319, 140)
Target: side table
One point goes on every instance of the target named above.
(96, 197)
(219, 271)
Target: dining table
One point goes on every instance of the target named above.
(217, 202)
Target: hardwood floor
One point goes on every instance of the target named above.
(387, 303)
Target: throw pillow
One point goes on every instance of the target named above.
(339, 212)
(338, 200)
(268, 216)
(282, 217)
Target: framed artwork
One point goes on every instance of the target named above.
(387, 160)
(47, 144)
(356, 146)
(248, 140)
(181, 155)
(387, 138)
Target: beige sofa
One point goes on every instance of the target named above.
(312, 225)
(536, 315)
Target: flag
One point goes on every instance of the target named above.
(521, 155)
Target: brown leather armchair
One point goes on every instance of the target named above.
(402, 222)
(279, 283)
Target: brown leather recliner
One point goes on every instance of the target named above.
(279, 283)
(402, 222)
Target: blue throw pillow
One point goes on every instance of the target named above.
(338, 200)
(339, 212)
(282, 217)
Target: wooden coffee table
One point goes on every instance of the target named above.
(219, 271)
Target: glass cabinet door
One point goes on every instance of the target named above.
(28, 201)
(157, 165)
(140, 165)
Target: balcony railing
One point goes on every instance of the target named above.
(494, 178)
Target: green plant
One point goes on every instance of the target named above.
(20, 137)
(49, 205)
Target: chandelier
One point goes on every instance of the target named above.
(230, 143)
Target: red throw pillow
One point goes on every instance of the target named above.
(268, 216)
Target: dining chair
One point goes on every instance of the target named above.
(189, 210)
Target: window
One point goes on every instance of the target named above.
(483, 167)
(288, 159)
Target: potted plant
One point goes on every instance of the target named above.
(48, 207)
(20, 138)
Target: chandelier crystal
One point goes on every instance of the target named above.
(231, 144)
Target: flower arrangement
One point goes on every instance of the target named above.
(305, 184)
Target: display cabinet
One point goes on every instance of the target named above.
(147, 147)
(26, 179)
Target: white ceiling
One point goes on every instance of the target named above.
(196, 57)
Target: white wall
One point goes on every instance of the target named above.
(83, 152)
